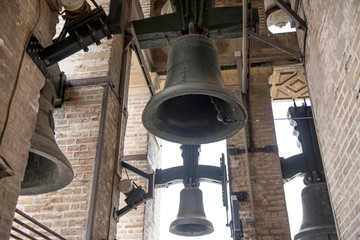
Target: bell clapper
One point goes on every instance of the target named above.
(221, 116)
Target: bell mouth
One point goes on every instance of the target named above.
(191, 227)
(47, 170)
(185, 114)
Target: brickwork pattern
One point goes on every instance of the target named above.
(95, 62)
(270, 219)
(77, 126)
(136, 135)
(142, 223)
(107, 170)
(333, 72)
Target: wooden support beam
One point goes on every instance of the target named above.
(221, 23)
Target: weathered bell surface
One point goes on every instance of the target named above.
(191, 219)
(194, 107)
(318, 222)
(48, 169)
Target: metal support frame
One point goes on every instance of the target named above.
(287, 9)
(274, 43)
(309, 162)
(187, 174)
(138, 195)
(141, 59)
(235, 223)
(190, 174)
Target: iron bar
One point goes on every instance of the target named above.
(30, 228)
(15, 237)
(273, 43)
(266, 149)
(38, 224)
(245, 49)
(135, 157)
(22, 233)
(201, 12)
(87, 81)
(141, 59)
(252, 210)
(287, 9)
(99, 150)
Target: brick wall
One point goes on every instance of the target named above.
(142, 223)
(270, 219)
(77, 126)
(84, 209)
(332, 64)
(20, 84)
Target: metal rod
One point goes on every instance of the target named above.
(201, 12)
(249, 179)
(39, 224)
(195, 11)
(15, 237)
(273, 43)
(182, 14)
(22, 233)
(99, 150)
(287, 9)
(30, 228)
(244, 49)
(95, 4)
(141, 59)
(135, 170)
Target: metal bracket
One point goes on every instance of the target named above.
(52, 73)
(235, 223)
(138, 196)
(241, 196)
(276, 44)
(35, 50)
(287, 9)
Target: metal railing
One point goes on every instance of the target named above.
(21, 230)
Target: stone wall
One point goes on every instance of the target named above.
(333, 73)
(269, 219)
(20, 84)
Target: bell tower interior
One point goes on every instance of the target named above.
(92, 91)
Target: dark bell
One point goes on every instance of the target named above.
(47, 169)
(194, 107)
(318, 222)
(191, 219)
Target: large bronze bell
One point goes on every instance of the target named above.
(47, 169)
(318, 222)
(194, 107)
(191, 219)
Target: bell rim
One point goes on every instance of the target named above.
(191, 89)
(63, 164)
(308, 232)
(50, 187)
(207, 223)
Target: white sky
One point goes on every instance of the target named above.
(210, 155)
